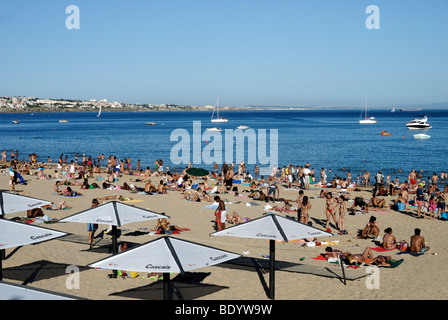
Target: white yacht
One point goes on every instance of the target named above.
(242, 127)
(214, 129)
(366, 119)
(218, 118)
(418, 124)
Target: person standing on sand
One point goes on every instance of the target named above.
(92, 227)
(220, 214)
(419, 198)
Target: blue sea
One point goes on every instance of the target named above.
(330, 139)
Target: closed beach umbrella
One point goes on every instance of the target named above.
(11, 203)
(272, 227)
(116, 214)
(165, 255)
(15, 234)
(197, 172)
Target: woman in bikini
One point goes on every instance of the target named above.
(389, 241)
(342, 208)
(361, 258)
(306, 206)
(329, 210)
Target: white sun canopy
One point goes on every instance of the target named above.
(15, 234)
(272, 227)
(10, 291)
(10, 203)
(114, 213)
(166, 255)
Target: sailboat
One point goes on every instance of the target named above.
(99, 112)
(218, 118)
(367, 119)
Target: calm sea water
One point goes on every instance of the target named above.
(326, 139)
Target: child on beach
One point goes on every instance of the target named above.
(432, 207)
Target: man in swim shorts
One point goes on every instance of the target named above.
(420, 198)
(417, 245)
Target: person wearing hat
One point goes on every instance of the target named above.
(419, 198)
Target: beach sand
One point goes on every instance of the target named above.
(416, 278)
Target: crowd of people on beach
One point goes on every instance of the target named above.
(426, 195)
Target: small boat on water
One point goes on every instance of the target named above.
(421, 136)
(63, 121)
(218, 118)
(367, 120)
(214, 129)
(242, 127)
(418, 124)
(16, 122)
(411, 110)
(385, 133)
(150, 123)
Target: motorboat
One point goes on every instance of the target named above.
(385, 133)
(214, 129)
(366, 119)
(418, 124)
(242, 127)
(150, 123)
(63, 121)
(16, 122)
(421, 136)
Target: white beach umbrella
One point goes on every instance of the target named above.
(11, 203)
(12, 291)
(116, 214)
(273, 228)
(15, 234)
(165, 255)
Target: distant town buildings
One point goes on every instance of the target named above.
(31, 104)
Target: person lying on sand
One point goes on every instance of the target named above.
(235, 218)
(163, 226)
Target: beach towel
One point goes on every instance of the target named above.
(320, 257)
(381, 249)
(394, 263)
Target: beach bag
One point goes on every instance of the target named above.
(402, 246)
(444, 216)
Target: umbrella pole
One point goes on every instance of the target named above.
(343, 270)
(114, 246)
(166, 287)
(2, 253)
(272, 269)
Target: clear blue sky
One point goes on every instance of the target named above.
(284, 52)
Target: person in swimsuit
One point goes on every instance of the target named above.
(220, 214)
(441, 204)
(372, 229)
(329, 211)
(306, 206)
(380, 261)
(432, 207)
(361, 258)
(389, 241)
(342, 208)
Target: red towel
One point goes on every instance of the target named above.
(319, 257)
(381, 249)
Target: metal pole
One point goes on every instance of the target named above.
(114, 246)
(272, 269)
(166, 287)
(2, 253)
(343, 270)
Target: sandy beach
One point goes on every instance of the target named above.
(415, 278)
